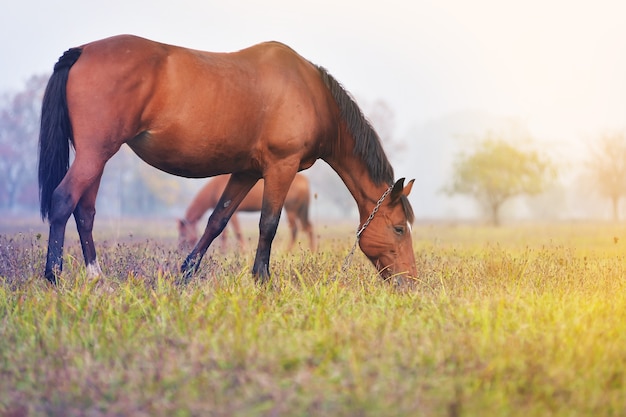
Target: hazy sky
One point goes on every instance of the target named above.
(559, 65)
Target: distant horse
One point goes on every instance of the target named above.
(296, 207)
(263, 112)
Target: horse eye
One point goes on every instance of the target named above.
(399, 230)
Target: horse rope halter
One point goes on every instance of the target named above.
(348, 260)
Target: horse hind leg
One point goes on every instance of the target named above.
(293, 228)
(234, 221)
(84, 214)
(60, 210)
(65, 199)
(313, 242)
(307, 226)
(300, 214)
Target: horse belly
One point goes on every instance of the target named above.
(191, 158)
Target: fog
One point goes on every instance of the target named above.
(449, 69)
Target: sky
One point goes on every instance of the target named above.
(559, 66)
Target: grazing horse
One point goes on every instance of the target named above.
(296, 207)
(262, 112)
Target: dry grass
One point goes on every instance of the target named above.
(514, 321)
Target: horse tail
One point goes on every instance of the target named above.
(55, 134)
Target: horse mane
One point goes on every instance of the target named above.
(367, 143)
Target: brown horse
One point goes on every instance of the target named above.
(296, 207)
(263, 112)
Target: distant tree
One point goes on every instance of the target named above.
(136, 187)
(606, 167)
(330, 188)
(19, 130)
(383, 119)
(132, 187)
(166, 188)
(495, 172)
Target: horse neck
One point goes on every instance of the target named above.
(354, 172)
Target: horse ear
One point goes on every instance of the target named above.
(399, 190)
(396, 191)
(407, 188)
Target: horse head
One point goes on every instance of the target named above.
(187, 234)
(386, 239)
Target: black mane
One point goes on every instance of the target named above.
(367, 142)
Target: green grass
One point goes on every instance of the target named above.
(517, 321)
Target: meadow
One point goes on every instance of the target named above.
(521, 320)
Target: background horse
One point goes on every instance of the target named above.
(262, 112)
(296, 208)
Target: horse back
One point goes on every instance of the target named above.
(195, 113)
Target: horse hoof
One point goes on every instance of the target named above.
(262, 278)
(187, 270)
(51, 277)
(185, 276)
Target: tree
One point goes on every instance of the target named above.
(19, 130)
(131, 187)
(382, 117)
(606, 167)
(496, 172)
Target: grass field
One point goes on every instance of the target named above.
(526, 320)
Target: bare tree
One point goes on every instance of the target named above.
(383, 119)
(606, 166)
(19, 129)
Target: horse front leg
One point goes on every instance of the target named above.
(274, 194)
(237, 188)
(268, 224)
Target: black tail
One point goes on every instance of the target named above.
(55, 134)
